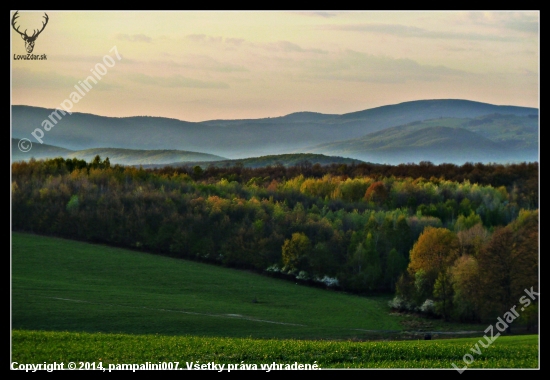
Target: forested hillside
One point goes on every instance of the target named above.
(443, 237)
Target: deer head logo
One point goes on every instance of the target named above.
(29, 40)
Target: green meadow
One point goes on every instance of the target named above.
(39, 347)
(74, 301)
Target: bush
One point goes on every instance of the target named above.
(273, 268)
(328, 281)
(428, 307)
(401, 304)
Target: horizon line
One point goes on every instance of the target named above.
(280, 116)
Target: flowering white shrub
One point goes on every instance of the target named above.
(399, 303)
(428, 307)
(291, 272)
(273, 268)
(303, 275)
(328, 281)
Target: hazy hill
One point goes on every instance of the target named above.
(495, 138)
(142, 157)
(439, 144)
(116, 155)
(38, 151)
(515, 132)
(272, 160)
(240, 138)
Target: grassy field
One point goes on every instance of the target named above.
(39, 347)
(62, 285)
(84, 302)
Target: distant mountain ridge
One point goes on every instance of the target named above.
(235, 139)
(490, 138)
(431, 109)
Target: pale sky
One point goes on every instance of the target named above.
(198, 66)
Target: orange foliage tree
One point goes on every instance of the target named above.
(434, 251)
(430, 259)
(377, 193)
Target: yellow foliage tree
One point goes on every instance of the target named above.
(295, 249)
(435, 250)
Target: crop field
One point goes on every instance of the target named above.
(39, 346)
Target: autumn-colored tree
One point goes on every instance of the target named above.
(526, 233)
(508, 264)
(295, 249)
(430, 258)
(377, 193)
(466, 283)
(272, 187)
(471, 240)
(434, 251)
(496, 265)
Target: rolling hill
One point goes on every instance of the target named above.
(489, 138)
(116, 155)
(38, 151)
(64, 285)
(237, 139)
(142, 157)
(272, 160)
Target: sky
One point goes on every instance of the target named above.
(198, 66)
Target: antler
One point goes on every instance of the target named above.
(15, 16)
(36, 33)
